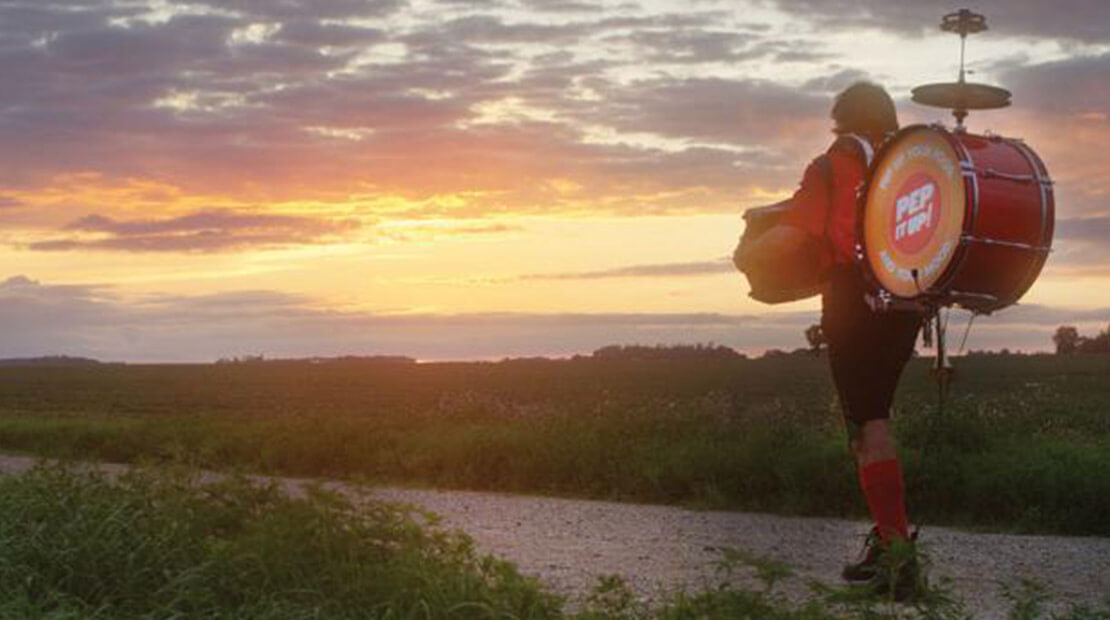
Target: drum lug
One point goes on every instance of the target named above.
(967, 300)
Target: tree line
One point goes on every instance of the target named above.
(1068, 341)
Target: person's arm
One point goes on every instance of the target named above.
(804, 221)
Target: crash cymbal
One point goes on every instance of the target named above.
(962, 96)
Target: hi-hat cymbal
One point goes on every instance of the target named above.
(962, 96)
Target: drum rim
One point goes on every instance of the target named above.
(971, 212)
(1048, 217)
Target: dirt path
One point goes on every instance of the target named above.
(570, 543)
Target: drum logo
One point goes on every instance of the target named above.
(917, 213)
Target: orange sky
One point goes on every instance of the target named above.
(190, 180)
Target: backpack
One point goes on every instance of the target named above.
(804, 273)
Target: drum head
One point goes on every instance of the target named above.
(913, 213)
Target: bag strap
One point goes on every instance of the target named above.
(827, 172)
(864, 146)
(866, 153)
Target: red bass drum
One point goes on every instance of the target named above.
(953, 218)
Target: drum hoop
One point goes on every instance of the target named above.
(931, 297)
(1048, 215)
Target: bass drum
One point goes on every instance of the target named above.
(954, 219)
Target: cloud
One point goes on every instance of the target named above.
(425, 232)
(1074, 86)
(490, 29)
(201, 231)
(745, 112)
(562, 6)
(1080, 248)
(268, 101)
(93, 321)
(835, 81)
(693, 45)
(692, 268)
(313, 33)
(273, 101)
(1084, 229)
(285, 9)
(42, 319)
(7, 202)
(1079, 20)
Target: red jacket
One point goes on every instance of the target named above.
(847, 163)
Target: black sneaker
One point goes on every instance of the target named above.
(868, 566)
(897, 573)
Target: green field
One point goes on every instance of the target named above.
(1024, 444)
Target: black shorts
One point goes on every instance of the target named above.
(867, 349)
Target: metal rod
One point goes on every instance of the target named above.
(1008, 244)
(963, 41)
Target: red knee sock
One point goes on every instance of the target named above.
(882, 486)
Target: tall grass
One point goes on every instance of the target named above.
(1024, 443)
(153, 544)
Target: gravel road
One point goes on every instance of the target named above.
(570, 543)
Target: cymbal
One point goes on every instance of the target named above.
(962, 96)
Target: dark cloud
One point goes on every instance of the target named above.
(659, 270)
(203, 231)
(1079, 20)
(183, 42)
(690, 19)
(1073, 86)
(1084, 229)
(751, 113)
(474, 4)
(1081, 248)
(692, 45)
(313, 33)
(1047, 316)
(563, 6)
(23, 22)
(490, 29)
(293, 9)
(835, 81)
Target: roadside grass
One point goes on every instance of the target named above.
(165, 543)
(1023, 445)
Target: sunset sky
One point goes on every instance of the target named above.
(472, 179)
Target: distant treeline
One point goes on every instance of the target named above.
(48, 360)
(667, 352)
(340, 359)
(1068, 341)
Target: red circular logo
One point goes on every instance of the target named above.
(916, 213)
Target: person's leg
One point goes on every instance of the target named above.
(880, 477)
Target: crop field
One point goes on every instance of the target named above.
(1023, 443)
